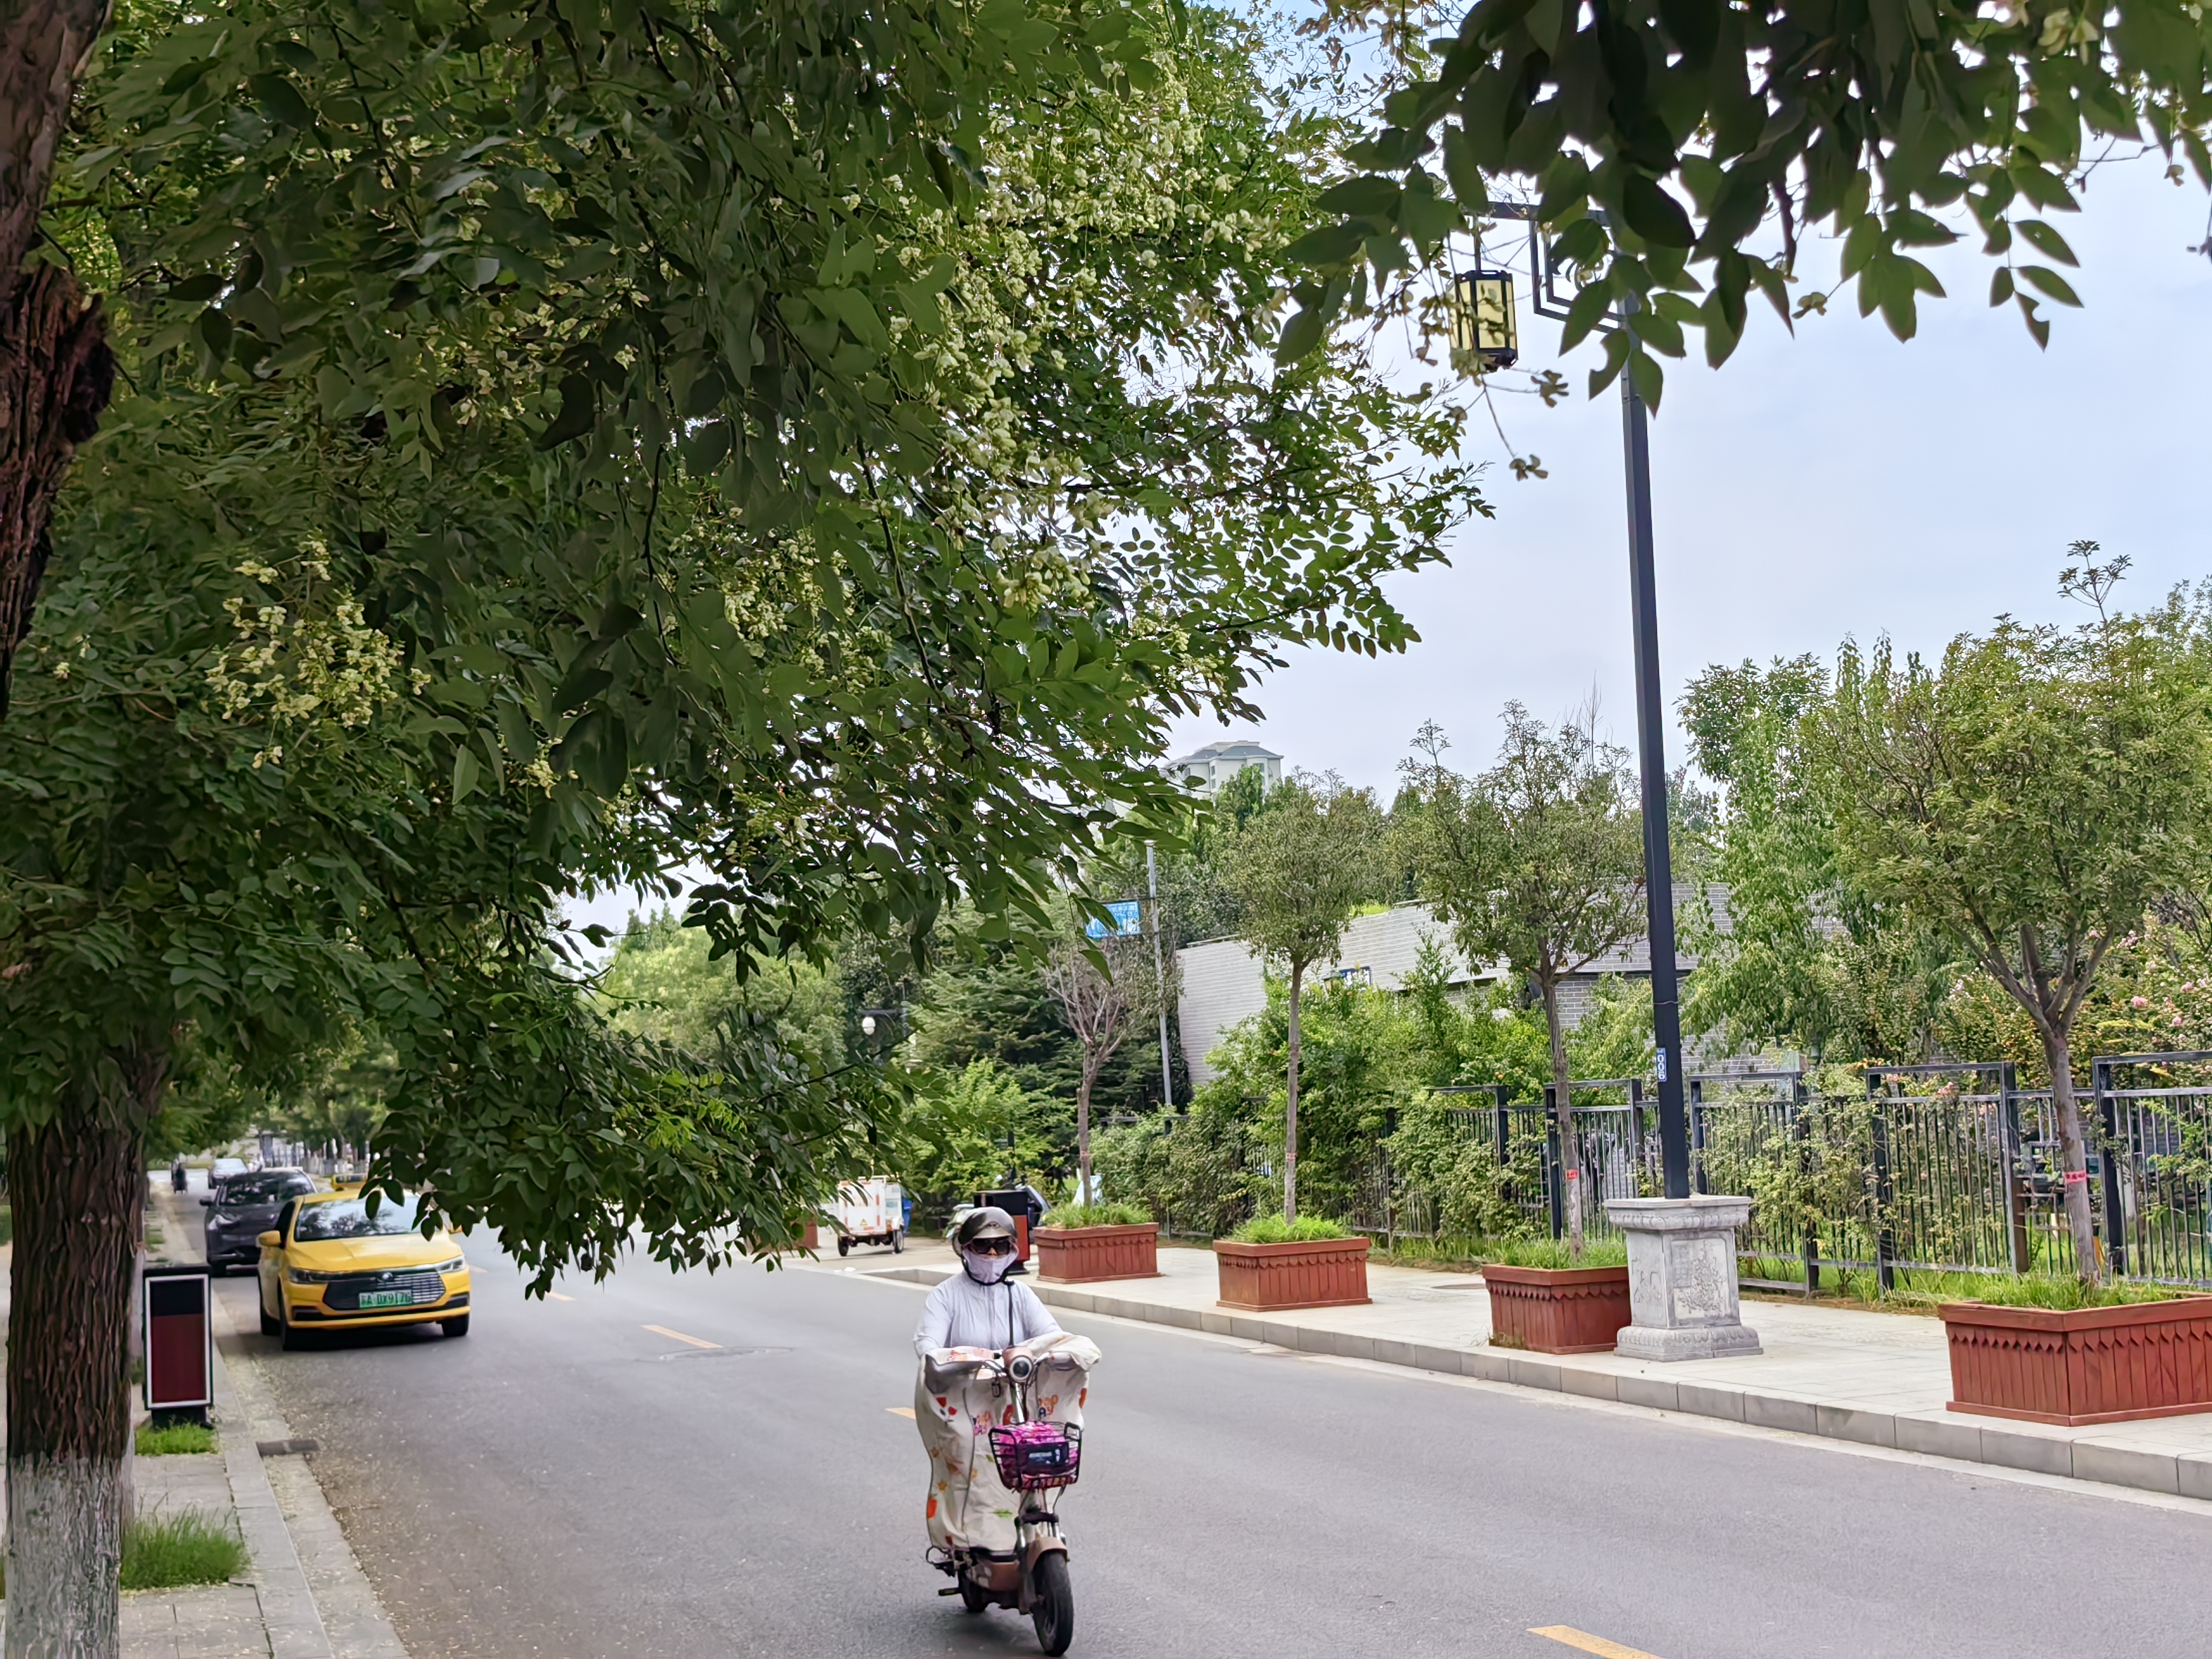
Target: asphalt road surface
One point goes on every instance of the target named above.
(576, 1478)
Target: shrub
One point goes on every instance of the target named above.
(163, 1551)
(173, 1438)
(1271, 1229)
(1098, 1215)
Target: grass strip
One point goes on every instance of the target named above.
(174, 1439)
(165, 1552)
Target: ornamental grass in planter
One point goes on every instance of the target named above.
(2141, 1353)
(1084, 1243)
(1266, 1265)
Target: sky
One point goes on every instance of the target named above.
(1838, 482)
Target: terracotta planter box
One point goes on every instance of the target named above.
(2093, 1365)
(1317, 1273)
(1558, 1310)
(1077, 1255)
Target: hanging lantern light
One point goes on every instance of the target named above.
(1482, 318)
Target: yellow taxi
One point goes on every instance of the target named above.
(340, 1258)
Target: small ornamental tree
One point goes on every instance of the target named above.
(1537, 863)
(1105, 990)
(1299, 868)
(2031, 795)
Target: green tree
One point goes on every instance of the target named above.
(1537, 863)
(664, 982)
(1105, 992)
(2031, 795)
(1715, 138)
(1807, 956)
(556, 446)
(1300, 869)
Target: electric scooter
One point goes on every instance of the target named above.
(1035, 1458)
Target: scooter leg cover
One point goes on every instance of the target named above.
(967, 1508)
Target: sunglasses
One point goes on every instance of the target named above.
(999, 1246)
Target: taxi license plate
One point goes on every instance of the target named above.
(388, 1298)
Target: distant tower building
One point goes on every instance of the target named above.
(1215, 764)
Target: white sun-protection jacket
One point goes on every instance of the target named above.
(962, 1314)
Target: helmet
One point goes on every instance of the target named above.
(985, 1222)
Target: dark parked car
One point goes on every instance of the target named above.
(243, 1208)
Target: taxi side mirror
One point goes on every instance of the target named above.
(270, 1240)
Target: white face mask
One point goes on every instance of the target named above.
(987, 1269)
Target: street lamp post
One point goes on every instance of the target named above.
(1651, 752)
(1681, 1249)
(1483, 326)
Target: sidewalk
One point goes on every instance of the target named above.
(304, 1596)
(1880, 1379)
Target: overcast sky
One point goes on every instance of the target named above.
(1840, 482)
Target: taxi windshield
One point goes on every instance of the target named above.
(349, 1218)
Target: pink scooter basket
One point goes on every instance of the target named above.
(1037, 1456)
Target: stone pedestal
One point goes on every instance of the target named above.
(1681, 1277)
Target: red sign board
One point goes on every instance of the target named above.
(179, 1339)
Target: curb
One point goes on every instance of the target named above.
(1937, 1434)
(287, 1605)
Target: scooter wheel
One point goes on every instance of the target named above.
(1052, 1603)
(974, 1596)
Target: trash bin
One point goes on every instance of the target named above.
(1025, 1206)
(179, 1341)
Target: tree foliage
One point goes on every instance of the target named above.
(2033, 796)
(1809, 957)
(1537, 863)
(1661, 139)
(1299, 869)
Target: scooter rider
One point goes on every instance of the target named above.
(978, 1308)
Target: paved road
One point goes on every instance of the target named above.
(565, 1481)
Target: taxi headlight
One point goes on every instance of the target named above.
(308, 1276)
(458, 1265)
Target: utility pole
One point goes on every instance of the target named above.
(1160, 976)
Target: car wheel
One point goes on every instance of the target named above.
(455, 1327)
(294, 1338)
(269, 1326)
(898, 1242)
(844, 1245)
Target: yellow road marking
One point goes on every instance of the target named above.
(906, 1412)
(556, 1295)
(1589, 1643)
(697, 1342)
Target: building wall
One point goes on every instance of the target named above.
(1224, 982)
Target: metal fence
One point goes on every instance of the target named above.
(1949, 1168)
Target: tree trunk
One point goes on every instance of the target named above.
(2073, 1145)
(56, 372)
(55, 367)
(78, 1193)
(1291, 1104)
(1563, 1113)
(1083, 1128)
